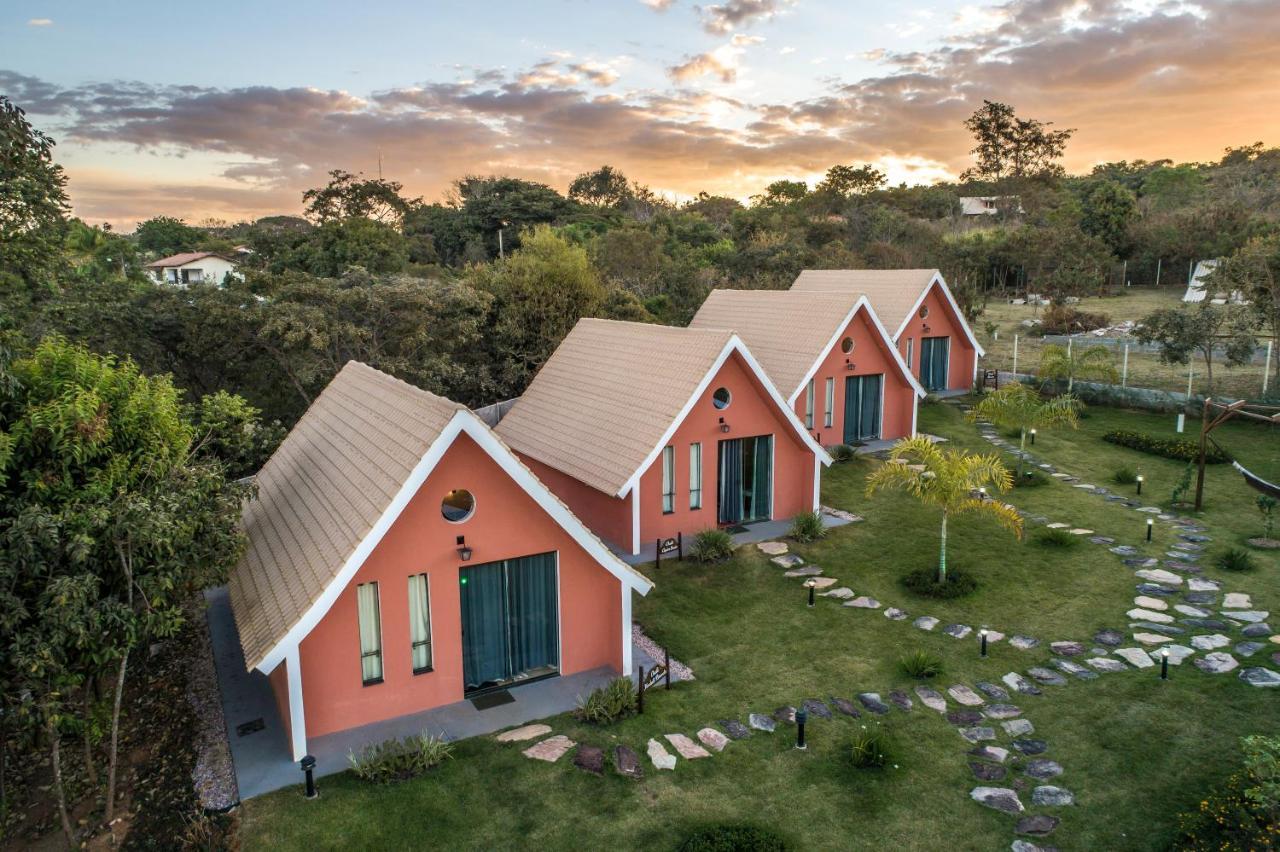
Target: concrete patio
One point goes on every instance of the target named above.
(757, 531)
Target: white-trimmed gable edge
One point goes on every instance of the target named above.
(938, 280)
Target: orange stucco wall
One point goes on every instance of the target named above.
(507, 523)
(279, 680)
(942, 322)
(869, 356)
(607, 517)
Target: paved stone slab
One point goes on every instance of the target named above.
(900, 700)
(1204, 597)
(957, 631)
(1050, 796)
(1217, 662)
(1102, 539)
(964, 695)
(661, 758)
(1198, 584)
(1002, 711)
(626, 762)
(1047, 676)
(713, 739)
(525, 732)
(1081, 531)
(1035, 825)
(772, 548)
(999, 798)
(816, 708)
(996, 693)
(841, 594)
(785, 714)
(806, 571)
(1018, 727)
(871, 701)
(895, 614)
(1248, 649)
(1260, 677)
(1067, 649)
(589, 759)
(686, 747)
(1105, 664)
(550, 749)
(931, 698)
(1058, 525)
(1256, 631)
(926, 622)
(978, 733)
(788, 560)
(990, 752)
(1251, 615)
(1162, 629)
(1074, 669)
(1031, 747)
(963, 718)
(845, 706)
(1042, 769)
(1124, 550)
(1237, 600)
(863, 602)
(1177, 653)
(1136, 657)
(1108, 636)
(1208, 623)
(1149, 615)
(735, 729)
(987, 771)
(1210, 642)
(824, 582)
(1193, 611)
(1023, 643)
(761, 722)
(1161, 576)
(1150, 603)
(1018, 683)
(1150, 638)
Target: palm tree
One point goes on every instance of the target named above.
(1095, 362)
(1017, 406)
(947, 479)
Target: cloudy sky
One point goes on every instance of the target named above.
(230, 110)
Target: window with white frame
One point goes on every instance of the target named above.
(370, 633)
(808, 405)
(828, 412)
(420, 623)
(695, 476)
(668, 480)
(911, 348)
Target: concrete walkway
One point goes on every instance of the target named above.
(262, 759)
(757, 531)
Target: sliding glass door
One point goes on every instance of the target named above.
(862, 408)
(510, 628)
(934, 355)
(745, 491)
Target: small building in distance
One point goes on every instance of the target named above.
(988, 205)
(194, 267)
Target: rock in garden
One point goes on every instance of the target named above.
(816, 708)
(1150, 638)
(926, 622)
(965, 695)
(627, 762)
(1106, 664)
(550, 749)
(895, 614)
(1236, 600)
(1252, 615)
(990, 752)
(1177, 653)
(1210, 642)
(1018, 683)
(1256, 631)
(1195, 538)
(789, 560)
(1258, 676)
(964, 718)
(1204, 597)
(1196, 584)
(1150, 603)
(527, 732)
(660, 757)
(1124, 550)
(871, 701)
(589, 759)
(1036, 825)
(1207, 623)
(1193, 611)
(1081, 531)
(1047, 676)
(957, 631)
(1248, 649)
(1218, 662)
(1150, 616)
(713, 739)
(1058, 525)
(1108, 636)
(900, 699)
(1042, 769)
(999, 798)
(761, 722)
(987, 771)
(863, 602)
(841, 594)
(1023, 643)
(1162, 629)
(994, 636)
(992, 691)
(1052, 796)
(931, 698)
(1135, 657)
(1142, 562)
(1018, 727)
(1031, 747)
(1102, 539)
(735, 729)
(772, 548)
(843, 705)
(978, 733)
(1067, 649)
(687, 748)
(823, 582)
(806, 571)
(785, 714)
(1161, 576)
(1002, 711)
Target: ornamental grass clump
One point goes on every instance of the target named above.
(609, 703)
(1235, 559)
(807, 526)
(733, 837)
(399, 760)
(1059, 538)
(842, 453)
(920, 665)
(711, 546)
(1124, 476)
(869, 748)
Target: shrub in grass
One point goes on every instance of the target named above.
(920, 665)
(1056, 538)
(869, 748)
(842, 452)
(399, 760)
(609, 703)
(1235, 559)
(1030, 479)
(924, 583)
(711, 546)
(1170, 448)
(807, 526)
(1124, 476)
(733, 837)
(1240, 814)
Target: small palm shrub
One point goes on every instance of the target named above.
(1056, 538)
(1235, 559)
(1124, 476)
(1030, 479)
(924, 582)
(869, 748)
(732, 837)
(399, 760)
(807, 526)
(609, 703)
(920, 665)
(711, 546)
(842, 453)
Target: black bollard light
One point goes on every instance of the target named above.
(983, 635)
(1033, 437)
(1164, 663)
(802, 716)
(1150, 523)
(810, 584)
(309, 768)
(1139, 485)
(640, 692)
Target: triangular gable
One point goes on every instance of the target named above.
(938, 281)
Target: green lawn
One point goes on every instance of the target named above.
(1136, 751)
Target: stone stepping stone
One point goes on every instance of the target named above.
(987, 771)
(1196, 584)
(713, 739)
(1255, 631)
(1151, 510)
(526, 732)
(1107, 636)
(1151, 638)
(589, 759)
(626, 762)
(1254, 616)
(772, 548)
(1177, 653)
(990, 752)
(1208, 623)
(841, 594)
(823, 582)
(931, 698)
(1260, 677)
(1218, 662)
(845, 706)
(1149, 615)
(686, 747)
(1180, 556)
(1018, 683)
(1161, 576)
(978, 733)
(1081, 531)
(900, 700)
(926, 622)
(1042, 769)
(660, 757)
(806, 571)
(1150, 603)
(1210, 642)
(1035, 825)
(1058, 526)
(816, 708)
(735, 729)
(1067, 649)
(1155, 591)
(1047, 676)
(1002, 711)
(1136, 657)
(1195, 538)
(963, 718)
(1236, 600)
(1162, 629)
(761, 722)
(1193, 611)
(1124, 550)
(958, 631)
(1205, 597)
(895, 614)
(1051, 796)
(785, 714)
(1018, 727)
(787, 560)
(1146, 562)
(996, 693)
(1023, 643)
(550, 749)
(998, 798)
(1031, 747)
(1073, 669)
(965, 695)
(994, 636)
(1105, 664)
(1248, 649)
(1102, 539)
(871, 701)
(863, 602)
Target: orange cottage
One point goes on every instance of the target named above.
(402, 558)
(648, 432)
(921, 313)
(829, 355)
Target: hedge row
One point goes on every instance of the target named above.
(1170, 448)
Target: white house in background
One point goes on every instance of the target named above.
(987, 205)
(1196, 291)
(193, 267)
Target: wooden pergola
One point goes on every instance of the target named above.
(1225, 411)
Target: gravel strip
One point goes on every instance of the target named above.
(679, 671)
(214, 775)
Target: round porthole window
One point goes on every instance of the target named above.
(846, 345)
(457, 505)
(924, 312)
(721, 398)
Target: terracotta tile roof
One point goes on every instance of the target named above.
(185, 258)
(605, 398)
(786, 331)
(322, 492)
(893, 292)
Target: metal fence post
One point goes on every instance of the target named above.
(1124, 371)
(1266, 367)
(1015, 355)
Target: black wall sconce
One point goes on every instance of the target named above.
(848, 365)
(724, 427)
(464, 552)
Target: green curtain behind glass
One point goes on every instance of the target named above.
(761, 477)
(532, 584)
(730, 497)
(484, 625)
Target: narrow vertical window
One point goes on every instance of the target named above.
(828, 413)
(911, 346)
(420, 623)
(370, 633)
(668, 479)
(695, 476)
(808, 405)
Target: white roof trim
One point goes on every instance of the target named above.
(734, 344)
(863, 302)
(473, 426)
(946, 291)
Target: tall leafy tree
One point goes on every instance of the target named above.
(33, 202)
(347, 195)
(1254, 269)
(1186, 331)
(604, 187)
(1012, 147)
(165, 235)
(1087, 363)
(1108, 211)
